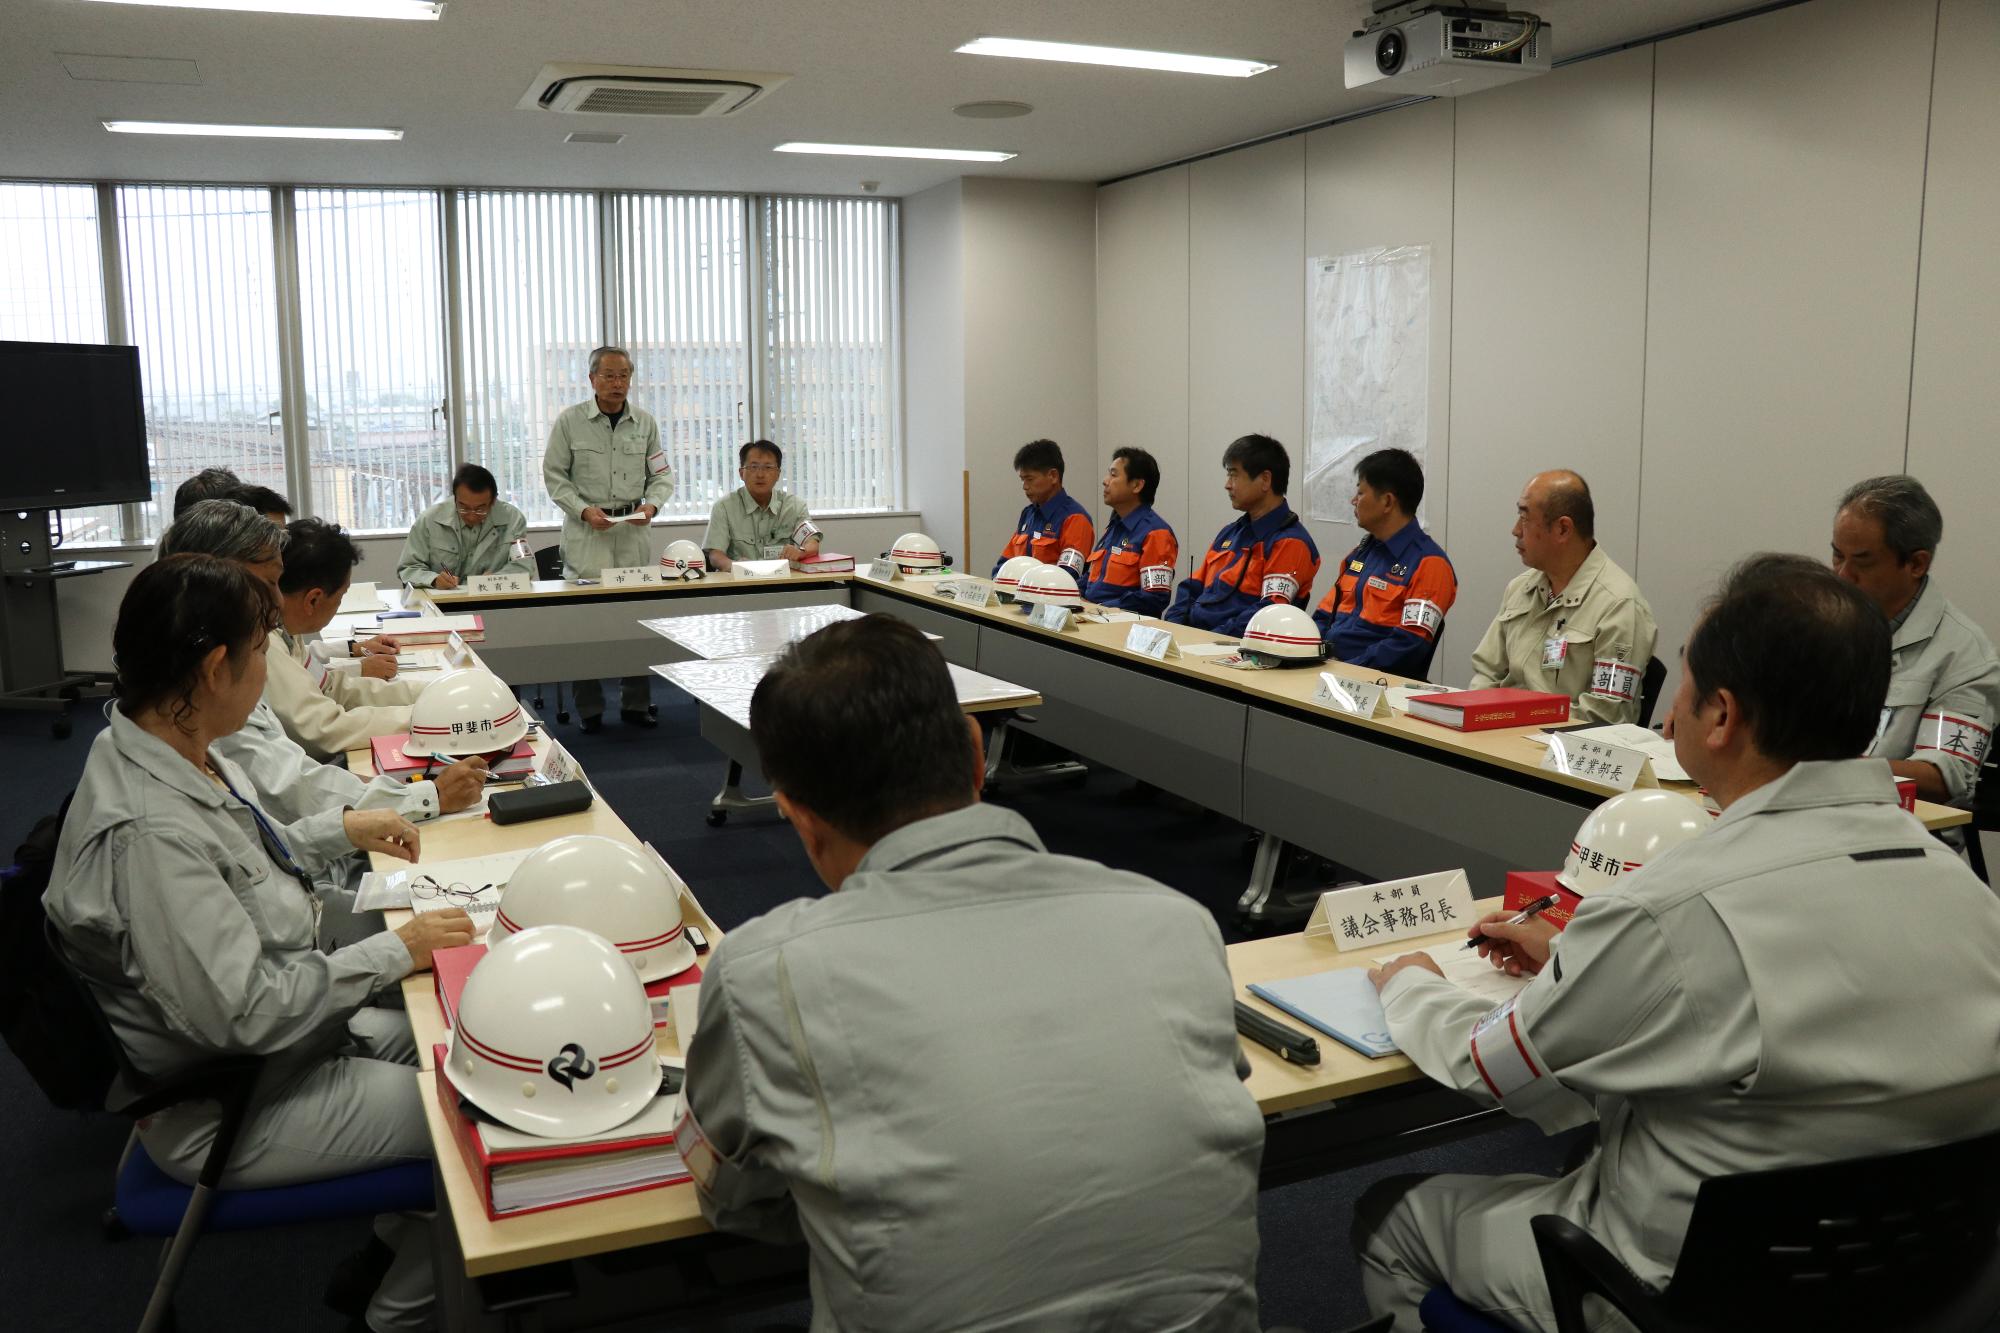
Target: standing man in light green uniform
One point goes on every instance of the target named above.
(607, 471)
(757, 521)
(474, 532)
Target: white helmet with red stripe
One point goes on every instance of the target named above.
(683, 560)
(607, 887)
(1007, 578)
(465, 712)
(1049, 585)
(1621, 836)
(554, 1035)
(1285, 633)
(916, 552)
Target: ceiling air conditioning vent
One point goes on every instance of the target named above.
(627, 90)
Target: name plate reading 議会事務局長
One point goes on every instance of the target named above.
(1370, 915)
(1357, 698)
(1611, 766)
(491, 583)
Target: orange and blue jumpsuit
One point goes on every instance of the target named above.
(1387, 608)
(1252, 565)
(1056, 532)
(1132, 566)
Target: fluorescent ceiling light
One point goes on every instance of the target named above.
(1070, 53)
(248, 131)
(339, 9)
(873, 150)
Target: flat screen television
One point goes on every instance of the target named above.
(72, 428)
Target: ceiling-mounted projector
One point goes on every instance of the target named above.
(1446, 50)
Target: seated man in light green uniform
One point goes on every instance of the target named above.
(474, 532)
(757, 521)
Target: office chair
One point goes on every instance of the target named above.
(148, 1202)
(548, 565)
(1985, 817)
(1909, 1241)
(1649, 690)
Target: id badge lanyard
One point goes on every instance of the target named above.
(275, 848)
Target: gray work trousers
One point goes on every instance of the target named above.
(351, 1112)
(635, 694)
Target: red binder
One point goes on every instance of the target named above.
(482, 1162)
(1484, 710)
(450, 968)
(392, 759)
(826, 562)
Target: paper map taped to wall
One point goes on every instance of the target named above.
(1368, 362)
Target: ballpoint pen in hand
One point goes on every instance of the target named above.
(1528, 913)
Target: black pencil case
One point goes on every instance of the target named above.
(558, 798)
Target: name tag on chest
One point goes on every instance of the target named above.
(1555, 651)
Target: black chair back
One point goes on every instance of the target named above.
(548, 562)
(1649, 690)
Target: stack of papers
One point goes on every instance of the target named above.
(1465, 969)
(485, 876)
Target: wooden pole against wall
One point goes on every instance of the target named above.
(965, 511)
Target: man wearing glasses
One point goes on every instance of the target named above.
(474, 532)
(757, 521)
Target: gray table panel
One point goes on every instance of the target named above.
(601, 636)
(1388, 812)
(1180, 739)
(958, 636)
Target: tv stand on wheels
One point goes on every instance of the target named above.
(32, 674)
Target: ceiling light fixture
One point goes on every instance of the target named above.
(874, 150)
(248, 131)
(1068, 52)
(338, 9)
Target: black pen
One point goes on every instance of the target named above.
(1268, 1032)
(1528, 913)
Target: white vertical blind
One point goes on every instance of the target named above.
(52, 291)
(371, 308)
(830, 347)
(682, 296)
(199, 303)
(531, 311)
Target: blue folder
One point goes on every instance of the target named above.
(1343, 1004)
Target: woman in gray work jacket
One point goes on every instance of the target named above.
(192, 914)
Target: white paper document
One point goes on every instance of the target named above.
(1465, 969)
(634, 517)
(1399, 696)
(1210, 649)
(362, 597)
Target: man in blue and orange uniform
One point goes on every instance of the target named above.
(1264, 558)
(1132, 567)
(1386, 610)
(1053, 528)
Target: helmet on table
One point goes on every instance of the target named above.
(468, 711)
(609, 888)
(1049, 586)
(915, 553)
(1284, 634)
(1008, 577)
(684, 560)
(554, 1035)
(1621, 836)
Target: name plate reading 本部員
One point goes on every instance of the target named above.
(1357, 698)
(485, 583)
(761, 569)
(1152, 641)
(1599, 762)
(882, 571)
(1370, 915)
(456, 655)
(629, 576)
(967, 592)
(1047, 615)
(557, 764)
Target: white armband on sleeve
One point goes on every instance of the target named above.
(1280, 587)
(1959, 737)
(1070, 559)
(805, 532)
(1426, 618)
(715, 1176)
(1611, 678)
(1516, 1075)
(1156, 578)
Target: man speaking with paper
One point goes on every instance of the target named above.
(1705, 1016)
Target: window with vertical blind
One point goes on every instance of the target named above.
(830, 348)
(531, 310)
(52, 291)
(200, 304)
(372, 351)
(350, 346)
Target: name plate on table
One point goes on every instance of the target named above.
(883, 571)
(629, 576)
(1369, 915)
(967, 592)
(1357, 698)
(456, 654)
(1152, 641)
(1047, 615)
(761, 569)
(558, 765)
(1611, 766)
(483, 583)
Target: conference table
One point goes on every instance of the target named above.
(1389, 794)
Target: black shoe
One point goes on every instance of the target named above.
(638, 717)
(591, 725)
(355, 1278)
